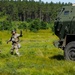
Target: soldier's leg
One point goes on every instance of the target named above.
(12, 50)
(19, 46)
(16, 50)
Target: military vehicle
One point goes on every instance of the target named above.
(64, 27)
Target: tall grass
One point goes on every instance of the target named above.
(38, 56)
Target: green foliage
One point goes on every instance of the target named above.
(5, 25)
(34, 25)
(51, 26)
(44, 25)
(30, 9)
(23, 25)
(29, 20)
(28, 12)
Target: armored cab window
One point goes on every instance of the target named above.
(66, 12)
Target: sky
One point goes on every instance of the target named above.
(65, 1)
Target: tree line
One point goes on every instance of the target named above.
(29, 14)
(23, 10)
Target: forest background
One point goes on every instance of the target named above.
(28, 14)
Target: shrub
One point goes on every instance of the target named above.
(52, 26)
(5, 25)
(34, 25)
(29, 20)
(23, 25)
(44, 25)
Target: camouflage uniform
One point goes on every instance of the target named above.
(15, 43)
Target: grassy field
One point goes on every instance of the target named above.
(38, 56)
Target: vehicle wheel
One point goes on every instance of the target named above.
(69, 51)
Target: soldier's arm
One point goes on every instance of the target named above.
(20, 35)
(9, 40)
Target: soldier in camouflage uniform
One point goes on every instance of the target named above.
(15, 42)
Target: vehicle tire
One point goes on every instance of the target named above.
(69, 51)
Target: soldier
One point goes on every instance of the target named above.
(15, 42)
